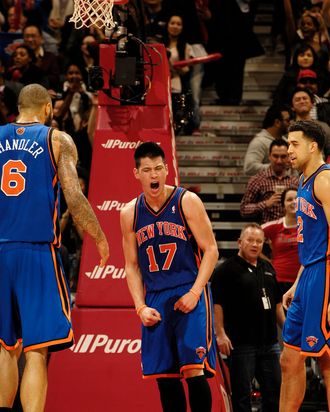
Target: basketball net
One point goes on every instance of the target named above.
(88, 13)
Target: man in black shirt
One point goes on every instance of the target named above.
(247, 308)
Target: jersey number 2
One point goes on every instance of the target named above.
(12, 180)
(169, 248)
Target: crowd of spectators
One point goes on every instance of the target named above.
(40, 45)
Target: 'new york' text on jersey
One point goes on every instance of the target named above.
(167, 251)
(312, 222)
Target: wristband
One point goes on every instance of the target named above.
(195, 293)
(139, 310)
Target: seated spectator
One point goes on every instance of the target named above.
(262, 198)
(8, 99)
(8, 107)
(274, 127)
(323, 7)
(37, 17)
(24, 69)
(2, 20)
(307, 79)
(281, 235)
(61, 9)
(155, 21)
(72, 40)
(304, 58)
(195, 16)
(72, 112)
(15, 20)
(76, 98)
(86, 55)
(46, 61)
(311, 30)
(302, 103)
(178, 50)
(58, 116)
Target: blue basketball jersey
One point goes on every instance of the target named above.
(29, 188)
(168, 254)
(313, 230)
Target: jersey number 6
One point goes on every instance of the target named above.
(12, 181)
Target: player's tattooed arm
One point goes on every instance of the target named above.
(66, 155)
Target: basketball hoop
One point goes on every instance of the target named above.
(98, 13)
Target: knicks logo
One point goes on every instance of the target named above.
(312, 341)
(20, 130)
(201, 352)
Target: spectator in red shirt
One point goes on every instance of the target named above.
(281, 235)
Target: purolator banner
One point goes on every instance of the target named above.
(119, 131)
(102, 371)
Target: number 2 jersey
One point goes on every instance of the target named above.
(313, 230)
(29, 184)
(167, 251)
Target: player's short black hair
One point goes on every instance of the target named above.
(147, 149)
(311, 130)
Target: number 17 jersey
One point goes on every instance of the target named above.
(29, 185)
(167, 251)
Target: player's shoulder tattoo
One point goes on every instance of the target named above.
(65, 143)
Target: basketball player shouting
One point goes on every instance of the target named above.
(34, 298)
(306, 330)
(165, 231)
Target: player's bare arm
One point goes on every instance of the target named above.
(224, 343)
(149, 316)
(65, 153)
(201, 228)
(280, 315)
(289, 295)
(322, 193)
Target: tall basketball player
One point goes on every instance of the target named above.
(170, 251)
(34, 299)
(306, 330)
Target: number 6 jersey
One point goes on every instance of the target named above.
(29, 184)
(168, 253)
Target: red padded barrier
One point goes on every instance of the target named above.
(102, 371)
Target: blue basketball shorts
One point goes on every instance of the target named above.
(34, 297)
(305, 328)
(179, 341)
